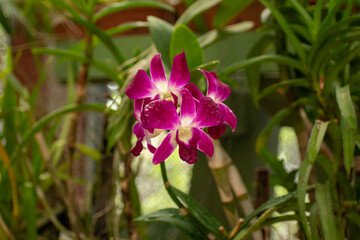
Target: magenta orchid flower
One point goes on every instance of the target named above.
(140, 132)
(142, 86)
(219, 92)
(186, 131)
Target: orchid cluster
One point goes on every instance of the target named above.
(179, 107)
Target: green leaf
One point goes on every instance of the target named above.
(51, 116)
(117, 7)
(303, 13)
(263, 138)
(354, 217)
(81, 58)
(30, 204)
(313, 219)
(287, 30)
(5, 23)
(346, 106)
(105, 39)
(272, 203)
(327, 218)
(288, 61)
(195, 9)
(196, 74)
(200, 213)
(315, 141)
(216, 35)
(94, 154)
(118, 124)
(161, 33)
(126, 27)
(9, 105)
(348, 136)
(298, 82)
(175, 218)
(228, 9)
(314, 144)
(183, 39)
(304, 173)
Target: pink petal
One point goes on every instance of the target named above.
(188, 150)
(217, 90)
(217, 131)
(151, 148)
(205, 144)
(195, 92)
(228, 116)
(188, 108)
(141, 86)
(165, 149)
(157, 71)
(180, 74)
(160, 114)
(140, 134)
(136, 150)
(208, 114)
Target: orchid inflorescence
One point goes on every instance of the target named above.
(179, 107)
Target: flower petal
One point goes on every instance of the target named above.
(228, 116)
(195, 92)
(188, 149)
(157, 72)
(136, 150)
(187, 108)
(180, 74)
(140, 134)
(217, 131)
(160, 114)
(165, 149)
(141, 86)
(217, 90)
(208, 114)
(205, 144)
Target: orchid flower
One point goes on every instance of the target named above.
(186, 130)
(219, 92)
(140, 132)
(158, 86)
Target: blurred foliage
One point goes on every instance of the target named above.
(316, 50)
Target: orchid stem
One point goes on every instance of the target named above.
(168, 187)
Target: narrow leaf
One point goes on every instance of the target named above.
(120, 6)
(175, 218)
(327, 218)
(126, 27)
(228, 9)
(200, 213)
(348, 136)
(195, 9)
(288, 61)
(286, 28)
(346, 106)
(30, 203)
(79, 57)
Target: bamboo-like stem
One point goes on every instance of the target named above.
(126, 195)
(229, 183)
(169, 188)
(74, 119)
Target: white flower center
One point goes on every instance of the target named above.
(185, 134)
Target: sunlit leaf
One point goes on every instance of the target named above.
(195, 9)
(228, 9)
(183, 39)
(119, 6)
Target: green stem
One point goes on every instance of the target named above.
(168, 187)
